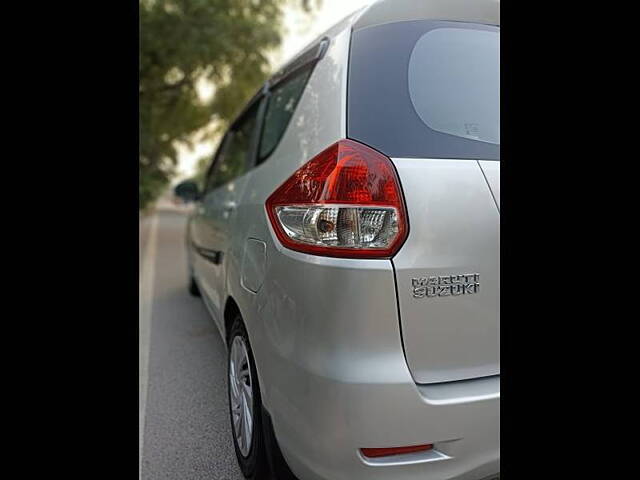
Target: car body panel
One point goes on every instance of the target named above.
(454, 229)
(210, 227)
(338, 379)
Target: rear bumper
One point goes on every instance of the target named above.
(347, 416)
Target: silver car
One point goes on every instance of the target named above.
(346, 244)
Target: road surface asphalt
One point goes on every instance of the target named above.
(185, 430)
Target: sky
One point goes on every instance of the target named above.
(300, 29)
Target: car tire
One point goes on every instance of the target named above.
(242, 379)
(194, 290)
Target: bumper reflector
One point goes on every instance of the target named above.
(385, 452)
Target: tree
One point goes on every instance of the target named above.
(183, 42)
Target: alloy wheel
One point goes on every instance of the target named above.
(241, 394)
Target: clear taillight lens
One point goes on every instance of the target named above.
(347, 227)
(344, 202)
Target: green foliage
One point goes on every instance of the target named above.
(183, 42)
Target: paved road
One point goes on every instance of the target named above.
(183, 391)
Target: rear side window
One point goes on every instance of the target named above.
(281, 105)
(426, 89)
(217, 160)
(234, 158)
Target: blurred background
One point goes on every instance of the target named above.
(200, 61)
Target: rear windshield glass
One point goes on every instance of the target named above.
(426, 89)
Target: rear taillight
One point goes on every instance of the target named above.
(344, 202)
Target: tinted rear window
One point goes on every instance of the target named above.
(426, 89)
(233, 160)
(282, 103)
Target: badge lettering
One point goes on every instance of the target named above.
(445, 285)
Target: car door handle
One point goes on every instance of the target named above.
(229, 206)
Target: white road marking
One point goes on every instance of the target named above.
(145, 301)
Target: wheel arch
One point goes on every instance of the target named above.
(231, 310)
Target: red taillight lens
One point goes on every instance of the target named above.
(385, 452)
(345, 202)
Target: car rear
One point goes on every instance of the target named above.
(377, 327)
(426, 94)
